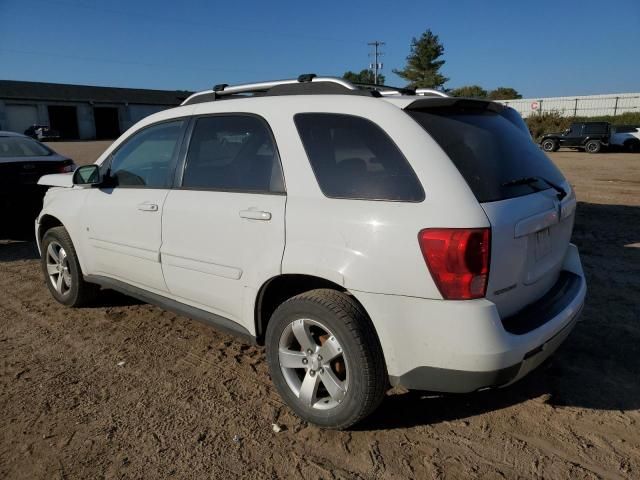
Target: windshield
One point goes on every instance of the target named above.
(489, 150)
(22, 147)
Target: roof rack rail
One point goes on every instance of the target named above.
(303, 85)
(223, 89)
(428, 92)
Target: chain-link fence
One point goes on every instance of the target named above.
(583, 106)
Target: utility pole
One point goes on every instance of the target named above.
(376, 54)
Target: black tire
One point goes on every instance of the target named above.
(79, 293)
(549, 145)
(593, 146)
(632, 146)
(363, 359)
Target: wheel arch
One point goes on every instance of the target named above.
(47, 222)
(280, 288)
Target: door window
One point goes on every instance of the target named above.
(354, 158)
(146, 159)
(233, 153)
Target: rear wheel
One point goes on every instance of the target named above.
(549, 145)
(593, 146)
(62, 271)
(325, 359)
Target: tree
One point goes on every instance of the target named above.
(365, 76)
(423, 67)
(504, 93)
(473, 91)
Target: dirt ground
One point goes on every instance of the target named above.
(189, 402)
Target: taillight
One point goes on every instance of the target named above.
(67, 167)
(458, 259)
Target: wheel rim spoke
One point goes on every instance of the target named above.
(330, 350)
(291, 359)
(334, 386)
(301, 332)
(66, 276)
(52, 269)
(59, 283)
(309, 389)
(52, 253)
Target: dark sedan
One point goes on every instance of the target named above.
(23, 161)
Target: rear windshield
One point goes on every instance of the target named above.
(21, 147)
(489, 150)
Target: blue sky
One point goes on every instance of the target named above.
(541, 48)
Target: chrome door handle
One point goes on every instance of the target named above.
(255, 214)
(148, 207)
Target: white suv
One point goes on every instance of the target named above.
(366, 237)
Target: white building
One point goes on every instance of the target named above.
(580, 106)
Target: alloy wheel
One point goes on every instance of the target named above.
(313, 364)
(58, 268)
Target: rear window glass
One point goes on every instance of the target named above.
(489, 150)
(21, 147)
(595, 128)
(354, 158)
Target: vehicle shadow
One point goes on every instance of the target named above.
(597, 367)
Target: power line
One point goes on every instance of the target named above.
(376, 54)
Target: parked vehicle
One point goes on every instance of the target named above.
(42, 132)
(22, 162)
(626, 137)
(588, 136)
(365, 237)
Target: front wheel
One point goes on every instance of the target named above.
(549, 145)
(62, 271)
(593, 146)
(325, 359)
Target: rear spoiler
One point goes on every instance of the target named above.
(467, 104)
(460, 102)
(57, 180)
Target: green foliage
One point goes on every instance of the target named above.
(423, 67)
(504, 93)
(553, 122)
(365, 76)
(470, 91)
(547, 122)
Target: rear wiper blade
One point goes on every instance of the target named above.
(530, 180)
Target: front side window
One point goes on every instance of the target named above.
(354, 158)
(233, 153)
(145, 159)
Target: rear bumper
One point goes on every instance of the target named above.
(464, 346)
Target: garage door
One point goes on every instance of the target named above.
(21, 117)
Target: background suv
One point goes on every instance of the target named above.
(590, 136)
(366, 236)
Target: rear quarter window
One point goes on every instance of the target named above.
(354, 158)
(489, 150)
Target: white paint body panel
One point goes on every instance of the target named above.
(210, 253)
(57, 180)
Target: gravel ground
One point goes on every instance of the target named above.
(126, 390)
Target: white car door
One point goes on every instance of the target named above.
(123, 218)
(223, 228)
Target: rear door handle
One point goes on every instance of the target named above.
(255, 214)
(148, 207)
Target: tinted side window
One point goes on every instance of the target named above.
(575, 130)
(354, 158)
(233, 152)
(145, 159)
(595, 128)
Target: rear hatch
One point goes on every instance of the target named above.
(528, 202)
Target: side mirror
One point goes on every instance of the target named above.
(567, 131)
(87, 175)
